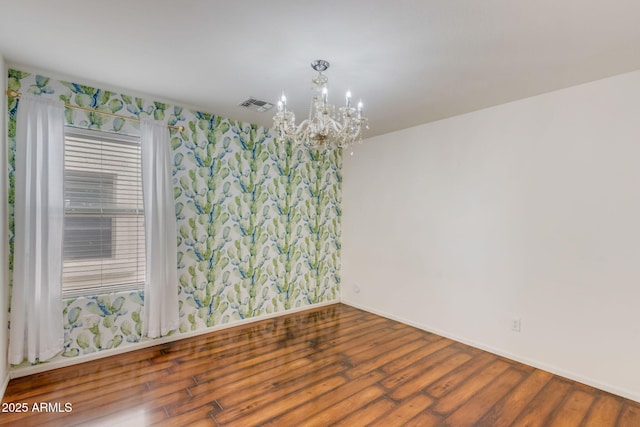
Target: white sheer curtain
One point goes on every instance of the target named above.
(161, 278)
(36, 328)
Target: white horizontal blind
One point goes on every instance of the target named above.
(104, 218)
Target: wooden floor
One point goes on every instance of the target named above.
(334, 365)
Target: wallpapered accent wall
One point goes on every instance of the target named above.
(258, 221)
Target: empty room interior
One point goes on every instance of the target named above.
(320, 213)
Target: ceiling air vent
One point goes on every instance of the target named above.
(256, 105)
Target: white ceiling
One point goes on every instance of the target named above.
(411, 61)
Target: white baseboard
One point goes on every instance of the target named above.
(627, 394)
(145, 343)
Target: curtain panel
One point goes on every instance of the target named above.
(161, 277)
(36, 324)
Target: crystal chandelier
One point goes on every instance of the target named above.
(322, 129)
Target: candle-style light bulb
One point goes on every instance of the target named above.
(348, 97)
(279, 106)
(360, 109)
(325, 95)
(283, 101)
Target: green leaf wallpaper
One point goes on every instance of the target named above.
(258, 220)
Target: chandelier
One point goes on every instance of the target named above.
(324, 128)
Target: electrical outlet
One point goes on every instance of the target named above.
(515, 324)
(356, 288)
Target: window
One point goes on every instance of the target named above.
(88, 236)
(104, 217)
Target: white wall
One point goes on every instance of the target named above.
(526, 210)
(4, 367)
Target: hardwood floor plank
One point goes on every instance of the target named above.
(86, 404)
(355, 344)
(258, 361)
(251, 414)
(282, 386)
(331, 365)
(537, 413)
(144, 401)
(383, 342)
(257, 396)
(258, 380)
(462, 394)
(401, 349)
(252, 356)
(573, 410)
(505, 411)
(424, 419)
(200, 416)
(481, 402)
(421, 380)
(405, 411)
(365, 415)
(168, 378)
(604, 412)
(136, 417)
(344, 408)
(415, 356)
(58, 379)
(327, 401)
(453, 379)
(395, 380)
(630, 415)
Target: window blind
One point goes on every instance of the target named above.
(104, 218)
